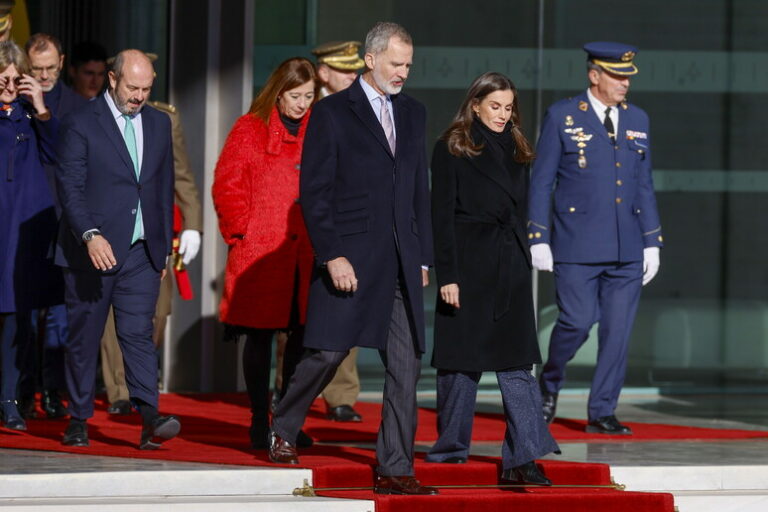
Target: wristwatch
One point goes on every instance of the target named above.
(88, 235)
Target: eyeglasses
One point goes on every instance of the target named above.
(16, 80)
(50, 69)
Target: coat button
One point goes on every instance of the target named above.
(294, 237)
(571, 209)
(618, 164)
(133, 212)
(618, 200)
(615, 147)
(619, 182)
(538, 235)
(530, 236)
(138, 187)
(298, 166)
(661, 238)
(296, 200)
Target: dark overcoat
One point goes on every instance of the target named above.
(357, 199)
(27, 215)
(478, 207)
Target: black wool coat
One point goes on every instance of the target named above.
(478, 212)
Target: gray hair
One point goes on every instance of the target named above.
(591, 66)
(10, 53)
(377, 39)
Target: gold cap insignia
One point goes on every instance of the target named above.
(628, 56)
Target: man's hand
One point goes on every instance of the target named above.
(424, 277)
(189, 245)
(342, 274)
(651, 264)
(541, 257)
(100, 253)
(450, 294)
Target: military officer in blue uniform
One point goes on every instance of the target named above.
(601, 234)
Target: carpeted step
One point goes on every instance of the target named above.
(529, 500)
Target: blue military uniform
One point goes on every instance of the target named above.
(603, 215)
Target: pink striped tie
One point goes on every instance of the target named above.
(386, 123)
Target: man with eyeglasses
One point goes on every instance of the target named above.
(46, 62)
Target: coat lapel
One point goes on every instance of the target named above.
(109, 125)
(362, 109)
(148, 128)
(402, 127)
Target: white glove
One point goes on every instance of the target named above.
(651, 264)
(189, 245)
(541, 257)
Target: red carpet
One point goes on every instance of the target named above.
(214, 430)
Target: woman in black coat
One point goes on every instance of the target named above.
(485, 319)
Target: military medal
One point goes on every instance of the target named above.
(568, 121)
(582, 160)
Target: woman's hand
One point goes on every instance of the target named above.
(450, 294)
(30, 88)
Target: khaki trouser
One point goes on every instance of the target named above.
(112, 369)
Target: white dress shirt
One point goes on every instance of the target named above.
(375, 98)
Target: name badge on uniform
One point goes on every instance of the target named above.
(631, 135)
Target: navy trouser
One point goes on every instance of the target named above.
(527, 437)
(132, 291)
(607, 293)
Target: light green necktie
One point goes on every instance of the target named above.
(130, 142)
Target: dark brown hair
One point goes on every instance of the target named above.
(458, 136)
(289, 74)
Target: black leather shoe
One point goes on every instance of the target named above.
(76, 434)
(26, 407)
(120, 407)
(344, 413)
(303, 440)
(608, 425)
(528, 473)
(162, 429)
(258, 433)
(51, 404)
(548, 405)
(12, 420)
(455, 460)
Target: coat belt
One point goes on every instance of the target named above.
(506, 251)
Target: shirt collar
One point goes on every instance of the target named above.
(597, 105)
(113, 108)
(369, 91)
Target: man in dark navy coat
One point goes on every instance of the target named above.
(601, 233)
(365, 200)
(115, 183)
(46, 61)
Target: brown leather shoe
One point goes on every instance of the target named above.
(281, 451)
(401, 485)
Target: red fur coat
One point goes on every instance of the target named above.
(255, 192)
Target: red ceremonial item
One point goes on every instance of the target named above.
(183, 283)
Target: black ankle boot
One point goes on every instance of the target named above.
(12, 420)
(50, 402)
(528, 473)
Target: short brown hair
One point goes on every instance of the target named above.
(458, 137)
(39, 43)
(289, 74)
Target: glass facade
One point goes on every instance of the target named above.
(703, 322)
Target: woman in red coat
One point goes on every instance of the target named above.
(255, 192)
